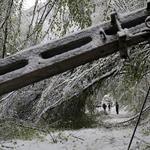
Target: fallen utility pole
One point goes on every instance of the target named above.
(42, 61)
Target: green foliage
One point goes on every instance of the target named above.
(138, 64)
(146, 130)
(80, 12)
(13, 130)
(148, 147)
(20, 33)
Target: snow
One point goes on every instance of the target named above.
(114, 118)
(30, 3)
(100, 138)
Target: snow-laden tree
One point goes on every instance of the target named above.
(63, 100)
(22, 28)
(40, 23)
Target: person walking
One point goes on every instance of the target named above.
(117, 108)
(109, 107)
(104, 107)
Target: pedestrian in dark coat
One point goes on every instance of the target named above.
(104, 107)
(109, 106)
(117, 108)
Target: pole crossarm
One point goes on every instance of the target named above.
(45, 60)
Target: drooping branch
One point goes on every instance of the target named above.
(61, 101)
(10, 4)
(34, 12)
(5, 41)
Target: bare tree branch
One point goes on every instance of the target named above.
(10, 4)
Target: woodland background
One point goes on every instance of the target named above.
(68, 100)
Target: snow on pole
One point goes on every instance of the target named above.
(46, 60)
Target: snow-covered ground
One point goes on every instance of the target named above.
(100, 138)
(116, 118)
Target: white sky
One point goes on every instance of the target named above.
(29, 3)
